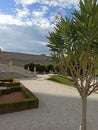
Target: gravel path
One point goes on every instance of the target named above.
(59, 109)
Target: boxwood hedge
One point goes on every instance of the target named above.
(30, 101)
(9, 83)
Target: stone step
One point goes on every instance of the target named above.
(14, 71)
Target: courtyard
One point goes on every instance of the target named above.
(59, 108)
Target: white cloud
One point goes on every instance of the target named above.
(26, 17)
(25, 2)
(62, 3)
(26, 39)
(21, 18)
(39, 19)
(22, 13)
(25, 30)
(37, 16)
(8, 19)
(40, 12)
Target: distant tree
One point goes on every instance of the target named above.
(56, 68)
(30, 66)
(42, 54)
(80, 36)
(39, 67)
(42, 68)
(50, 67)
(26, 66)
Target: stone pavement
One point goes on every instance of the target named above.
(59, 109)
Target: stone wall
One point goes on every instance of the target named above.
(20, 59)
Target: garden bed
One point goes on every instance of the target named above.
(17, 99)
(14, 96)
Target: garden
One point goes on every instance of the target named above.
(15, 97)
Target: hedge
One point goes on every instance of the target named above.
(9, 83)
(10, 90)
(31, 101)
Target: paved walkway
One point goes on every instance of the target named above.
(59, 109)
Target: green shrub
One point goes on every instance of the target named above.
(50, 67)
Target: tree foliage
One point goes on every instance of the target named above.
(80, 43)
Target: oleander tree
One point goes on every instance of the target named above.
(57, 46)
(79, 51)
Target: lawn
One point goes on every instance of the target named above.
(61, 79)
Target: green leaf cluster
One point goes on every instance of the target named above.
(78, 38)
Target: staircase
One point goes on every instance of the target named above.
(7, 71)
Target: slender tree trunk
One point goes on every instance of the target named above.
(84, 113)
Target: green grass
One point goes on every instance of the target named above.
(61, 80)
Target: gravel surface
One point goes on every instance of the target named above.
(59, 109)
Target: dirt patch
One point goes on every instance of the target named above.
(12, 97)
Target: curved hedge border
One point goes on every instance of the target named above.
(30, 101)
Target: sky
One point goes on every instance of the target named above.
(24, 24)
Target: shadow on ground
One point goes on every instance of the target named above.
(58, 113)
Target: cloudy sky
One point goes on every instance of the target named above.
(25, 23)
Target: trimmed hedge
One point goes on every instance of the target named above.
(10, 90)
(6, 80)
(30, 101)
(27, 93)
(9, 83)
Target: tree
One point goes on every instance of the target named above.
(50, 68)
(42, 68)
(57, 46)
(81, 45)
